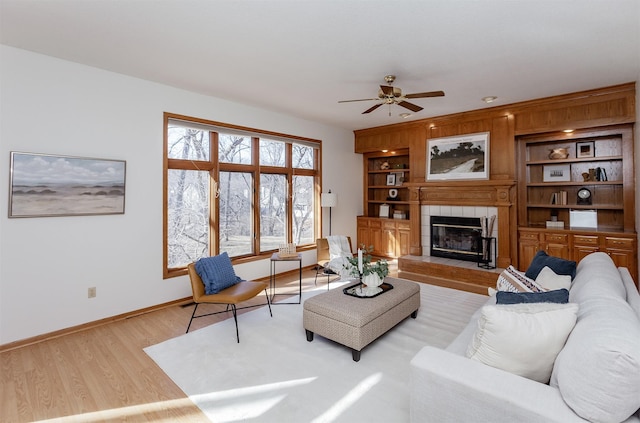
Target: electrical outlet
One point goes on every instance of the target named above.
(92, 292)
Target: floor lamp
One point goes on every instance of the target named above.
(329, 200)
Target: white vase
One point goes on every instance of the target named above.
(372, 280)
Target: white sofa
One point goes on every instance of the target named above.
(595, 377)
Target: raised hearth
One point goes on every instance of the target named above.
(450, 273)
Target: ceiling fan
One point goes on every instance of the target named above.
(393, 95)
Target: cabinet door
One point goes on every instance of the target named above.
(389, 239)
(404, 239)
(375, 237)
(623, 253)
(364, 237)
(583, 245)
(557, 245)
(528, 246)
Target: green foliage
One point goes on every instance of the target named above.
(381, 267)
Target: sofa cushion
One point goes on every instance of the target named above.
(598, 370)
(559, 296)
(558, 265)
(513, 281)
(216, 273)
(523, 339)
(550, 280)
(597, 277)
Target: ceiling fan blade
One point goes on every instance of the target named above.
(363, 99)
(387, 90)
(427, 94)
(410, 106)
(372, 108)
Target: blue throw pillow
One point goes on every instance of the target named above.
(560, 296)
(216, 273)
(558, 265)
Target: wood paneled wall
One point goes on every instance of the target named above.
(586, 109)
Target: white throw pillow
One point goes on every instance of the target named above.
(550, 281)
(523, 339)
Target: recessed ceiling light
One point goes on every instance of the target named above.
(489, 99)
(568, 131)
(404, 115)
(384, 151)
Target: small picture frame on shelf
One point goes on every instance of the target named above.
(391, 179)
(556, 173)
(585, 149)
(399, 178)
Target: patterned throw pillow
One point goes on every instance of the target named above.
(513, 281)
(216, 273)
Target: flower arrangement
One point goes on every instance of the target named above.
(361, 265)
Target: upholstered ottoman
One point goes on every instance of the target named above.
(356, 322)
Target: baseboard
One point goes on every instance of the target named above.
(73, 329)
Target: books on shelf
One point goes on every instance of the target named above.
(559, 198)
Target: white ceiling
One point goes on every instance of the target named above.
(300, 57)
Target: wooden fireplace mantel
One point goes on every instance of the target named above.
(493, 193)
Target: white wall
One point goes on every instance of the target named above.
(53, 106)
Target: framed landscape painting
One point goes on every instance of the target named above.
(459, 157)
(51, 185)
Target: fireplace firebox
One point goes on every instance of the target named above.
(456, 237)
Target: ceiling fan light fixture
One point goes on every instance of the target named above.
(489, 99)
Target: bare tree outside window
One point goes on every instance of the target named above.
(273, 211)
(271, 153)
(303, 210)
(302, 156)
(188, 198)
(236, 213)
(260, 196)
(234, 149)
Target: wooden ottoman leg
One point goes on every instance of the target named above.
(355, 354)
(414, 314)
(309, 335)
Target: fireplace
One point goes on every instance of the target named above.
(456, 237)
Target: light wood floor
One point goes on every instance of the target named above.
(103, 374)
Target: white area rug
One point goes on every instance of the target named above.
(275, 375)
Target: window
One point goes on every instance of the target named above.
(235, 190)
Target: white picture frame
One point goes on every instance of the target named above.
(556, 173)
(458, 157)
(391, 179)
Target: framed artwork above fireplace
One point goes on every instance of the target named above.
(458, 157)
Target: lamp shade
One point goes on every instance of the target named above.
(329, 200)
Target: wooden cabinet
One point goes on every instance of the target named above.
(583, 245)
(575, 245)
(384, 176)
(554, 167)
(388, 237)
